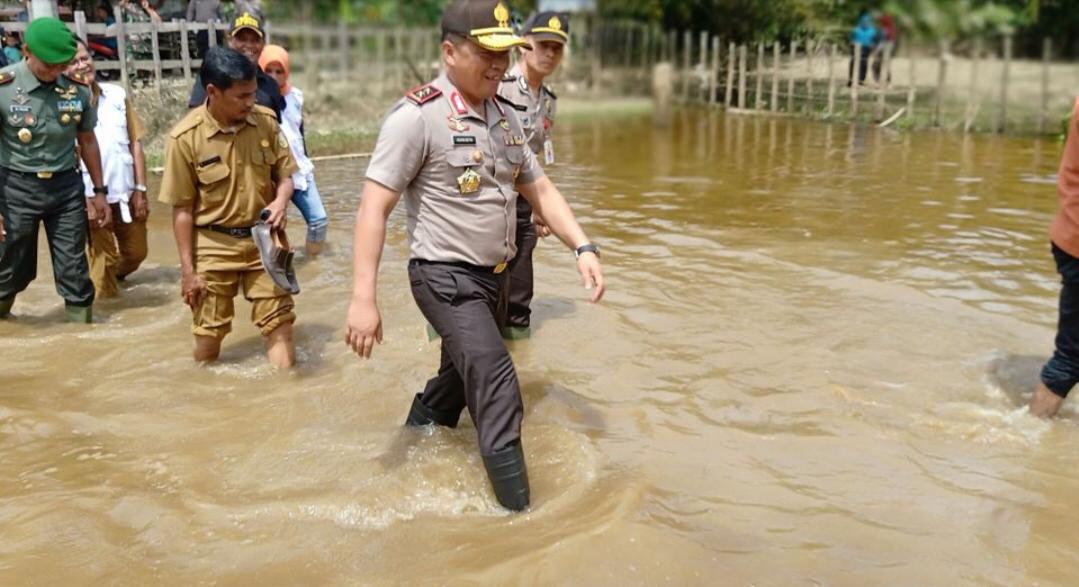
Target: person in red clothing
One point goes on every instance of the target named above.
(1061, 373)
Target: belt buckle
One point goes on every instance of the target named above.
(500, 267)
(44, 175)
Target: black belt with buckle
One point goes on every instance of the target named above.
(495, 269)
(234, 232)
(42, 174)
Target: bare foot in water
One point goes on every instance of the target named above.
(1044, 403)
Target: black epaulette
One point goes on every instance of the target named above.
(421, 95)
(7, 77)
(78, 78)
(509, 79)
(547, 89)
(509, 103)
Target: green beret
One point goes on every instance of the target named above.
(50, 41)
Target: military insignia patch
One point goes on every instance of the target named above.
(468, 182)
(456, 124)
(26, 136)
(421, 95)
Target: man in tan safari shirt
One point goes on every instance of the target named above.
(225, 163)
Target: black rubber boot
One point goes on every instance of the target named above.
(509, 477)
(421, 415)
(5, 307)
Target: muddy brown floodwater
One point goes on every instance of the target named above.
(810, 369)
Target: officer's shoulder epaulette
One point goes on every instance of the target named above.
(550, 93)
(77, 78)
(509, 79)
(421, 95)
(190, 121)
(511, 103)
(6, 77)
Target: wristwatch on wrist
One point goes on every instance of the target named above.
(100, 191)
(140, 188)
(587, 248)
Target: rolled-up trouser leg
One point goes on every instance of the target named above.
(22, 208)
(460, 303)
(131, 243)
(66, 227)
(1061, 373)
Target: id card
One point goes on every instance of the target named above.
(548, 152)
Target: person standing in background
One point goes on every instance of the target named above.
(117, 251)
(275, 62)
(863, 37)
(203, 11)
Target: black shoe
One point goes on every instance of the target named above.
(509, 477)
(421, 415)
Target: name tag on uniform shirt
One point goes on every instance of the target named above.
(548, 152)
(69, 105)
(17, 109)
(464, 140)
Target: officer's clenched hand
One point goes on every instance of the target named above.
(140, 207)
(193, 289)
(3, 231)
(98, 212)
(364, 327)
(591, 275)
(542, 230)
(277, 210)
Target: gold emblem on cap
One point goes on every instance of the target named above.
(26, 136)
(246, 20)
(468, 182)
(502, 15)
(554, 23)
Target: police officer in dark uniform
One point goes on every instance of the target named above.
(248, 38)
(44, 115)
(458, 156)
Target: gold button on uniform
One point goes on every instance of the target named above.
(477, 156)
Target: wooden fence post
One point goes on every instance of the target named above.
(1005, 81)
(344, 49)
(831, 79)
(811, 48)
(1047, 55)
(80, 25)
(155, 44)
(942, 81)
(912, 91)
(856, 80)
(704, 61)
(742, 77)
(973, 99)
(728, 93)
(885, 85)
(759, 102)
(380, 60)
(211, 33)
(185, 52)
(687, 71)
(121, 45)
(775, 76)
(716, 64)
(790, 80)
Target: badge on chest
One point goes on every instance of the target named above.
(468, 182)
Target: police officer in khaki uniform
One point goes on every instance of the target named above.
(547, 34)
(458, 156)
(44, 114)
(225, 163)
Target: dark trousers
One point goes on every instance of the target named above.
(476, 370)
(863, 68)
(515, 306)
(26, 203)
(1061, 373)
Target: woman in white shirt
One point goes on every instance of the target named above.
(275, 62)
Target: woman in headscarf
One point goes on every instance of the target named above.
(275, 62)
(863, 37)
